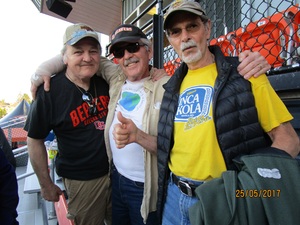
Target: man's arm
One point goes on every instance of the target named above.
(126, 132)
(284, 137)
(107, 70)
(54, 65)
(39, 160)
(44, 73)
(252, 64)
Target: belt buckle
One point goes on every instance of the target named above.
(185, 186)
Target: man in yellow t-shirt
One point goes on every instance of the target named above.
(209, 115)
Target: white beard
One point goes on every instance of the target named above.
(192, 58)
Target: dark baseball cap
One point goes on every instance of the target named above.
(126, 33)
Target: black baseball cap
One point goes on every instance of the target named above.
(126, 33)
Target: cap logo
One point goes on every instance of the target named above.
(176, 4)
(80, 33)
(121, 29)
(86, 28)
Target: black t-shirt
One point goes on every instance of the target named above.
(82, 152)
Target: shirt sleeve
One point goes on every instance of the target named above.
(108, 70)
(271, 110)
(38, 123)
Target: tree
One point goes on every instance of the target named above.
(3, 112)
(3, 106)
(24, 96)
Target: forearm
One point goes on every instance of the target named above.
(51, 66)
(285, 138)
(147, 141)
(47, 68)
(108, 70)
(39, 160)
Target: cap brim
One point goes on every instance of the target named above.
(193, 11)
(123, 39)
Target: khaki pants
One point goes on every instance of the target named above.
(89, 202)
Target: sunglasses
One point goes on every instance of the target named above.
(88, 98)
(131, 48)
(190, 28)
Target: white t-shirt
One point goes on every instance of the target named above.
(129, 160)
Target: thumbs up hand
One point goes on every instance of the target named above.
(124, 132)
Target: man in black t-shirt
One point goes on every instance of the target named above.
(75, 109)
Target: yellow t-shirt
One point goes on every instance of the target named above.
(196, 153)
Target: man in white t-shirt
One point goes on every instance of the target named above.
(134, 95)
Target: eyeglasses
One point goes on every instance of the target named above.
(176, 32)
(131, 48)
(88, 98)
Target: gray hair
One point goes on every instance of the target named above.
(63, 50)
(147, 42)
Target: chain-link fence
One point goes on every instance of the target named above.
(270, 27)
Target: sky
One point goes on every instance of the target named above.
(27, 39)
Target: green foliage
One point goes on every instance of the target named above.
(24, 96)
(3, 111)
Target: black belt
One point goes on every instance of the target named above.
(186, 187)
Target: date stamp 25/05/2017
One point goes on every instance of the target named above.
(255, 193)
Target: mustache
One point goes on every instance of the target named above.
(130, 60)
(185, 45)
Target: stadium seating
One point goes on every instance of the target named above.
(276, 37)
